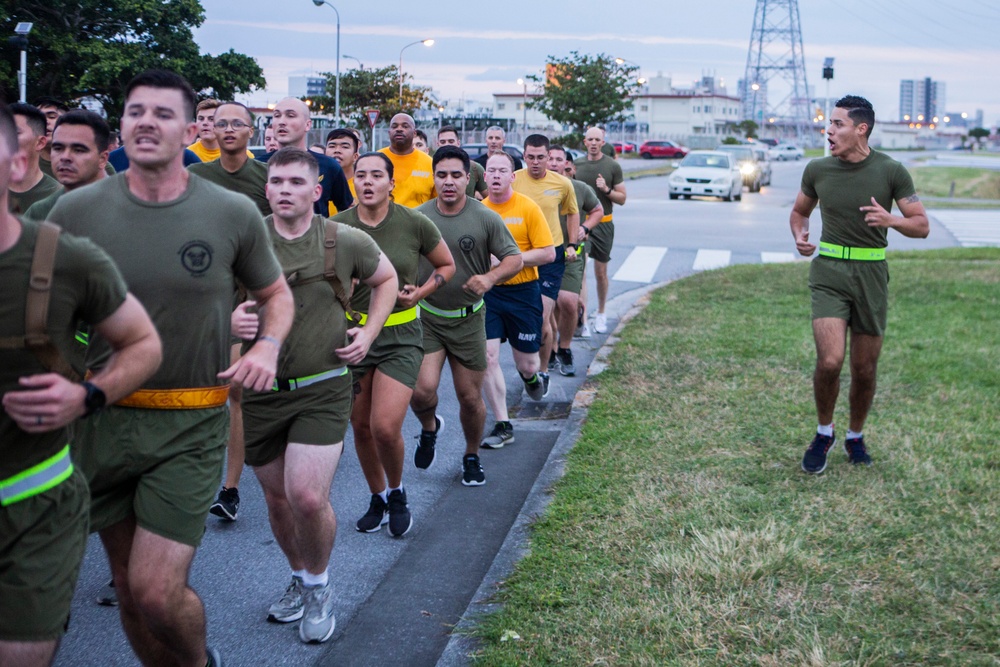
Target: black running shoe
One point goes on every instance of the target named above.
(856, 452)
(227, 505)
(472, 471)
(552, 361)
(400, 519)
(375, 517)
(566, 366)
(423, 457)
(502, 434)
(535, 387)
(814, 460)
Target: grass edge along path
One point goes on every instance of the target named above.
(684, 531)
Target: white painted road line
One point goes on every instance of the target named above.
(640, 265)
(706, 260)
(971, 228)
(777, 257)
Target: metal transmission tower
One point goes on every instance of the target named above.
(776, 53)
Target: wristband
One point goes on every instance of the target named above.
(272, 340)
(586, 230)
(574, 246)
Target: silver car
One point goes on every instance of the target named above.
(708, 174)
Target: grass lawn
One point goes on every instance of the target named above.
(970, 182)
(685, 533)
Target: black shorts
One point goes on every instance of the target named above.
(514, 313)
(550, 275)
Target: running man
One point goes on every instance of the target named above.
(343, 146)
(412, 167)
(295, 432)
(453, 318)
(849, 280)
(603, 174)
(514, 307)
(43, 496)
(448, 136)
(495, 137)
(32, 184)
(153, 460)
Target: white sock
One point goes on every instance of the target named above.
(825, 430)
(398, 488)
(313, 580)
(851, 434)
(384, 495)
(299, 573)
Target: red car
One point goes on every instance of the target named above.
(629, 146)
(667, 149)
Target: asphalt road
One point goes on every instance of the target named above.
(398, 599)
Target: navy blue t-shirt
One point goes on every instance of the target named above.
(333, 182)
(119, 160)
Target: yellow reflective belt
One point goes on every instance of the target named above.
(291, 384)
(846, 252)
(36, 479)
(176, 399)
(606, 218)
(452, 314)
(402, 317)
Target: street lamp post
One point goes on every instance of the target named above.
(828, 75)
(21, 41)
(524, 104)
(320, 3)
(425, 42)
(361, 65)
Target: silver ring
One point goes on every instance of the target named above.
(39, 420)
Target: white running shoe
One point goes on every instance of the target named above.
(600, 323)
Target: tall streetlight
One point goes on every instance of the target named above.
(21, 41)
(828, 75)
(524, 104)
(425, 42)
(320, 3)
(361, 65)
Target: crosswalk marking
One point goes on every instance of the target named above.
(971, 228)
(640, 265)
(777, 257)
(706, 260)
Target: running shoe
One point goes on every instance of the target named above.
(502, 434)
(600, 323)
(535, 387)
(108, 597)
(472, 471)
(566, 367)
(227, 505)
(814, 460)
(317, 618)
(400, 519)
(545, 384)
(375, 517)
(583, 331)
(552, 360)
(288, 608)
(856, 451)
(423, 457)
(214, 658)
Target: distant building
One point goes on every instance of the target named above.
(306, 86)
(921, 100)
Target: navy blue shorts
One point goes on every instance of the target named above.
(550, 275)
(514, 313)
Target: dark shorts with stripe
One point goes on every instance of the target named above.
(514, 313)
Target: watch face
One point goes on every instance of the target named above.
(95, 398)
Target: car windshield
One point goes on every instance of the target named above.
(740, 152)
(716, 161)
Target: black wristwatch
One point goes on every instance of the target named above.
(586, 230)
(94, 401)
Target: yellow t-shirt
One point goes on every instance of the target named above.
(414, 176)
(354, 195)
(526, 223)
(207, 154)
(553, 193)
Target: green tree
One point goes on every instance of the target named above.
(92, 48)
(584, 90)
(372, 88)
(748, 128)
(978, 134)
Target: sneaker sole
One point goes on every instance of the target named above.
(567, 374)
(500, 445)
(433, 458)
(220, 511)
(271, 618)
(377, 528)
(320, 640)
(473, 482)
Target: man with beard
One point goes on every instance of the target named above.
(412, 168)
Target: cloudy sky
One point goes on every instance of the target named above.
(479, 52)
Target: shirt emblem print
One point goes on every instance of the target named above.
(196, 257)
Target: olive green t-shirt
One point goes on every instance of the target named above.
(403, 236)
(586, 200)
(86, 286)
(181, 259)
(319, 326)
(477, 180)
(472, 235)
(40, 209)
(46, 167)
(587, 171)
(248, 180)
(842, 188)
(19, 202)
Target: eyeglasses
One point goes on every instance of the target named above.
(235, 124)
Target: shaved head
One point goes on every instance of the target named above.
(594, 132)
(291, 122)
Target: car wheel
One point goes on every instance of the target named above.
(739, 195)
(729, 196)
(674, 196)
(647, 156)
(755, 186)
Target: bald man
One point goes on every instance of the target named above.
(291, 123)
(604, 174)
(413, 170)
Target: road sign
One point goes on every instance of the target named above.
(372, 115)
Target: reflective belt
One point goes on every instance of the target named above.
(402, 317)
(292, 384)
(36, 479)
(177, 399)
(452, 314)
(846, 252)
(606, 218)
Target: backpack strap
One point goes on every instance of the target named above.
(330, 265)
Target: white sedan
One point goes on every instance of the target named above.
(707, 173)
(786, 152)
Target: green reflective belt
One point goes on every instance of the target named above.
(291, 384)
(36, 479)
(452, 314)
(846, 252)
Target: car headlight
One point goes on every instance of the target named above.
(746, 169)
(676, 178)
(720, 181)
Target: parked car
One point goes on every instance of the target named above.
(786, 152)
(707, 173)
(750, 168)
(475, 150)
(764, 160)
(768, 142)
(576, 154)
(667, 149)
(630, 146)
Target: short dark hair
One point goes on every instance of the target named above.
(557, 147)
(537, 141)
(513, 165)
(102, 133)
(250, 114)
(32, 114)
(447, 128)
(388, 163)
(859, 110)
(291, 155)
(47, 101)
(341, 133)
(422, 135)
(8, 130)
(569, 157)
(161, 78)
(451, 153)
